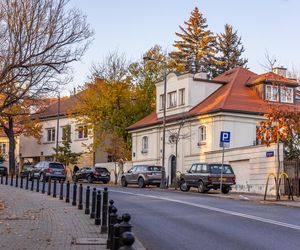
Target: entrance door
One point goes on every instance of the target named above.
(173, 169)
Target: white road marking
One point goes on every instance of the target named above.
(220, 210)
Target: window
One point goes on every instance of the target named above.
(181, 97)
(193, 168)
(50, 134)
(201, 134)
(145, 144)
(272, 93)
(3, 148)
(66, 131)
(82, 132)
(286, 94)
(161, 102)
(172, 99)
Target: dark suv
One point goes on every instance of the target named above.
(207, 176)
(142, 175)
(92, 174)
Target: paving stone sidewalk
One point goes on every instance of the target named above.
(31, 220)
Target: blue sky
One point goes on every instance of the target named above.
(134, 26)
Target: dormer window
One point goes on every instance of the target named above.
(161, 102)
(272, 93)
(181, 97)
(172, 99)
(286, 94)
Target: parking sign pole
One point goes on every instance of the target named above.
(222, 167)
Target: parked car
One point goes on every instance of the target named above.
(26, 171)
(92, 174)
(3, 170)
(142, 175)
(46, 169)
(207, 176)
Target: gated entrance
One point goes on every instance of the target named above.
(292, 168)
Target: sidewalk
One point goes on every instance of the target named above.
(31, 220)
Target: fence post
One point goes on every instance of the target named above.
(11, 179)
(21, 184)
(27, 182)
(104, 211)
(112, 221)
(74, 194)
(127, 239)
(61, 192)
(32, 184)
(125, 226)
(49, 186)
(93, 212)
(68, 192)
(54, 188)
(87, 200)
(17, 179)
(38, 185)
(98, 209)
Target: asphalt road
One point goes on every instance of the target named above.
(169, 220)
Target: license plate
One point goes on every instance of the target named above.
(57, 172)
(103, 174)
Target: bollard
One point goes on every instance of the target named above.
(125, 226)
(87, 200)
(43, 186)
(17, 179)
(104, 211)
(93, 204)
(61, 192)
(38, 185)
(127, 239)
(116, 237)
(6, 179)
(111, 205)
(11, 179)
(27, 182)
(32, 184)
(49, 186)
(74, 194)
(2, 179)
(80, 206)
(68, 192)
(54, 188)
(112, 221)
(98, 209)
(21, 183)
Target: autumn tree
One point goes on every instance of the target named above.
(39, 39)
(230, 49)
(196, 47)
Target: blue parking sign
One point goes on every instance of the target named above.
(225, 137)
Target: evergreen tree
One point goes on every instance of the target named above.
(196, 49)
(230, 49)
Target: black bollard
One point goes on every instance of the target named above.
(49, 186)
(80, 206)
(104, 211)
(21, 183)
(68, 192)
(125, 226)
(112, 221)
(43, 186)
(32, 184)
(116, 237)
(98, 209)
(27, 182)
(74, 194)
(38, 185)
(127, 240)
(87, 200)
(17, 179)
(11, 180)
(111, 205)
(6, 179)
(54, 188)
(2, 179)
(61, 192)
(93, 212)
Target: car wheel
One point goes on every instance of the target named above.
(124, 182)
(158, 185)
(183, 186)
(225, 190)
(201, 187)
(141, 182)
(90, 179)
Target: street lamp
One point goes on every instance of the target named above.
(163, 171)
(57, 124)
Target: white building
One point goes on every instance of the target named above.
(235, 101)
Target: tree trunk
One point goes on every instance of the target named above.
(278, 171)
(9, 131)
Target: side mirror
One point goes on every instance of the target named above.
(129, 171)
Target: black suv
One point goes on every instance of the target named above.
(92, 174)
(206, 176)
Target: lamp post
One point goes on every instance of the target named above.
(163, 171)
(57, 124)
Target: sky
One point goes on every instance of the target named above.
(131, 27)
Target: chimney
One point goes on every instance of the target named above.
(280, 71)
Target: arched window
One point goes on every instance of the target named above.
(145, 144)
(201, 134)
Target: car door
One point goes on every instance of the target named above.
(130, 174)
(190, 175)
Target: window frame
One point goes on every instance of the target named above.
(84, 131)
(270, 96)
(181, 97)
(172, 102)
(145, 144)
(202, 134)
(161, 102)
(285, 90)
(50, 137)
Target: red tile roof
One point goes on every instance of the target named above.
(234, 96)
(272, 77)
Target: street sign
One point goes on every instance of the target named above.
(270, 154)
(225, 136)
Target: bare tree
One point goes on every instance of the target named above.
(39, 39)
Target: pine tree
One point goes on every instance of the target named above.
(196, 49)
(230, 49)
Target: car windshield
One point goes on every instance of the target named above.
(99, 170)
(216, 169)
(154, 168)
(56, 165)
